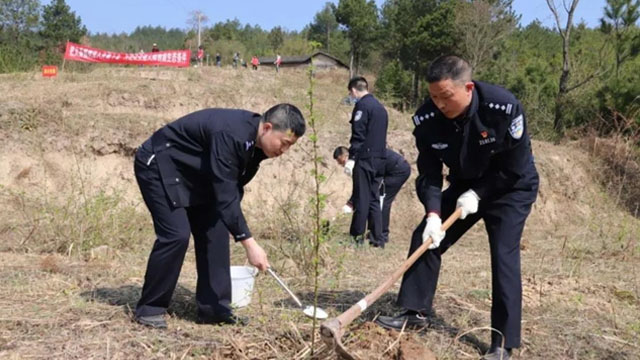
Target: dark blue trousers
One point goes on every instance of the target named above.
(390, 188)
(367, 176)
(504, 219)
(173, 227)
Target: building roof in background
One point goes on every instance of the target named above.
(299, 59)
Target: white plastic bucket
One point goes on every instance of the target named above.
(242, 278)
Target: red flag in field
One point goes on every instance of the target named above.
(49, 70)
(178, 58)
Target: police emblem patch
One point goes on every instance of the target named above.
(439, 146)
(517, 127)
(358, 115)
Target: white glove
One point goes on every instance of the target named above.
(468, 202)
(433, 231)
(348, 167)
(347, 209)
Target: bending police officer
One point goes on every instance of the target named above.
(396, 173)
(191, 173)
(479, 131)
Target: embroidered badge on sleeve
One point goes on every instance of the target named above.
(517, 127)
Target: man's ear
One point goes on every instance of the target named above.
(266, 126)
(469, 86)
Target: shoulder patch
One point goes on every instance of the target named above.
(357, 116)
(503, 107)
(419, 118)
(517, 127)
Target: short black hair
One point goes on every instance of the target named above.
(449, 67)
(339, 151)
(359, 83)
(285, 117)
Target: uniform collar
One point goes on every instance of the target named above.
(252, 133)
(254, 122)
(472, 109)
(473, 106)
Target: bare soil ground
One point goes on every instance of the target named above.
(75, 235)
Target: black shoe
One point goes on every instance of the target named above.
(376, 244)
(359, 240)
(153, 321)
(223, 319)
(497, 353)
(413, 320)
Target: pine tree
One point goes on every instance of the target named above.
(60, 24)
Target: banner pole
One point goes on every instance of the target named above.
(64, 58)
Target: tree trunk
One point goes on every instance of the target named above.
(328, 40)
(563, 86)
(618, 57)
(416, 83)
(558, 122)
(351, 65)
(357, 63)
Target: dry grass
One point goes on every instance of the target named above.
(580, 251)
(619, 168)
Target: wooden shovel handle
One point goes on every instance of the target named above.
(354, 311)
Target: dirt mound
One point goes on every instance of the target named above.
(566, 186)
(370, 341)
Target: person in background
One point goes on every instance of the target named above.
(255, 62)
(236, 59)
(396, 173)
(200, 55)
(155, 48)
(366, 161)
(218, 60)
(278, 62)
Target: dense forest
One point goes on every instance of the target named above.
(571, 78)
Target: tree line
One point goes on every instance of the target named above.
(569, 77)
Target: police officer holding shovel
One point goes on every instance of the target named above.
(367, 152)
(479, 131)
(191, 173)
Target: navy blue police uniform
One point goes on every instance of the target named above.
(396, 173)
(369, 122)
(488, 150)
(191, 173)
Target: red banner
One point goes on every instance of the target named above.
(178, 58)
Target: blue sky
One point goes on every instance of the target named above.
(115, 16)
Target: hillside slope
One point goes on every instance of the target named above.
(72, 217)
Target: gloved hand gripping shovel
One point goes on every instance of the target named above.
(332, 329)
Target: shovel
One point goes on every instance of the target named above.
(332, 329)
(310, 311)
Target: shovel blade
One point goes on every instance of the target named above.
(331, 333)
